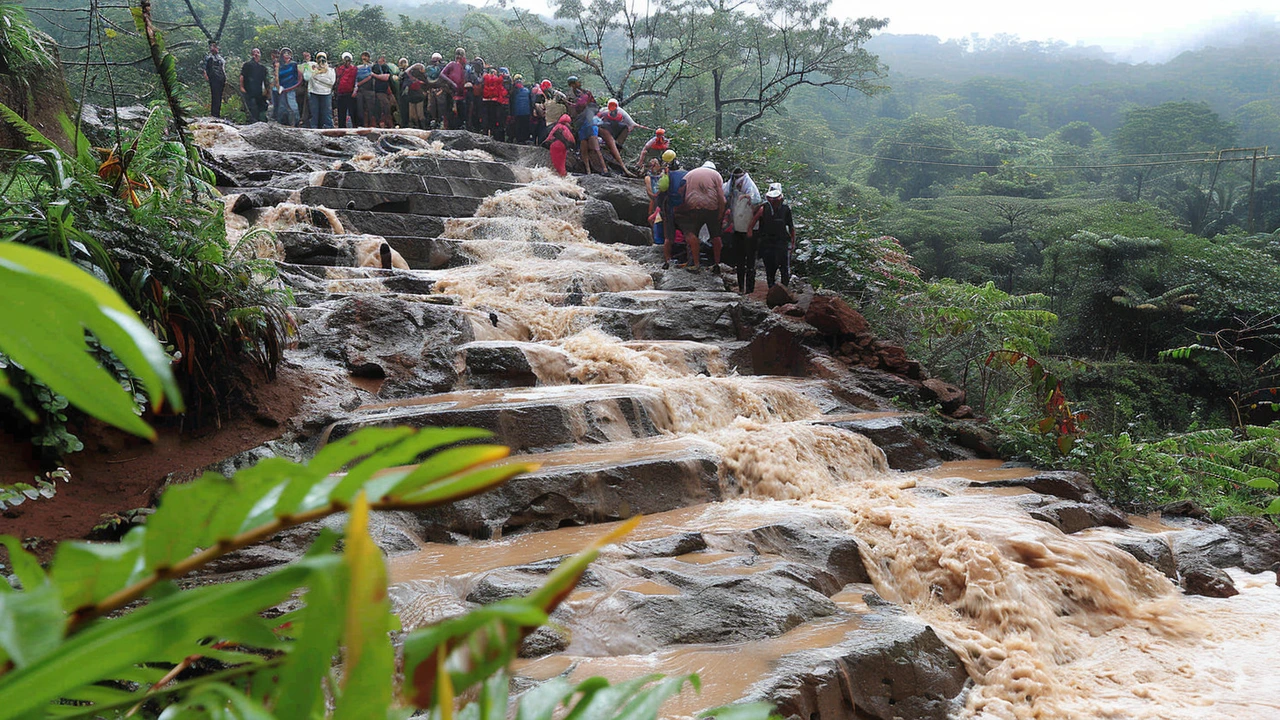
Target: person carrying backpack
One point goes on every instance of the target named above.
(440, 91)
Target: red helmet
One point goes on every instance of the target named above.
(659, 131)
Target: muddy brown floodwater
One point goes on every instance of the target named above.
(1047, 624)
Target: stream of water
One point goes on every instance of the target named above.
(1048, 625)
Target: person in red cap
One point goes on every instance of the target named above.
(658, 144)
(615, 125)
(559, 140)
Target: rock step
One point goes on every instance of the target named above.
(588, 485)
(528, 419)
(414, 203)
(407, 182)
(554, 416)
(439, 166)
(317, 248)
(313, 284)
(389, 224)
(504, 363)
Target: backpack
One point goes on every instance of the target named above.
(433, 72)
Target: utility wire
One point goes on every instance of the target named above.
(1192, 161)
(972, 150)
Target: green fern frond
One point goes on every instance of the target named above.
(28, 131)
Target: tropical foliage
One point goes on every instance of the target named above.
(106, 630)
(113, 212)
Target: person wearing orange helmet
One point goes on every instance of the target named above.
(658, 144)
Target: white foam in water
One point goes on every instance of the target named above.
(1048, 625)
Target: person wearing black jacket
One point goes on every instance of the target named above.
(253, 86)
(777, 235)
(214, 69)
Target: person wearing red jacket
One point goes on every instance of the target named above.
(344, 93)
(495, 97)
(559, 140)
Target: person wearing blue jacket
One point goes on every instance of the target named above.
(521, 110)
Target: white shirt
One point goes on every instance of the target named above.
(322, 82)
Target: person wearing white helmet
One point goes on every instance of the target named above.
(344, 93)
(615, 125)
(320, 93)
(777, 235)
(440, 91)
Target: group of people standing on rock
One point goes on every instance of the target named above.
(689, 208)
(461, 94)
(686, 208)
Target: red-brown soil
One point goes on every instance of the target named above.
(116, 473)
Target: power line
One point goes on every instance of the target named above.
(974, 150)
(1194, 161)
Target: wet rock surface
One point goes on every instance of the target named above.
(790, 585)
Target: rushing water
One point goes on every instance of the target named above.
(1048, 625)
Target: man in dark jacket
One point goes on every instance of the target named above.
(215, 71)
(253, 86)
(777, 235)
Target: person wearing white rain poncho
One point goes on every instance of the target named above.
(742, 197)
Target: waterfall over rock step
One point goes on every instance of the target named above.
(802, 543)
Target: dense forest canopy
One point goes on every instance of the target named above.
(1135, 204)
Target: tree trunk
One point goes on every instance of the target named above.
(164, 63)
(715, 77)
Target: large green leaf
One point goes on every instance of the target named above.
(30, 621)
(368, 659)
(49, 303)
(167, 628)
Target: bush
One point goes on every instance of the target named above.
(142, 219)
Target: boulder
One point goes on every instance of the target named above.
(892, 358)
(410, 344)
(500, 364)
(903, 449)
(812, 541)
(601, 221)
(1153, 551)
(833, 316)
(626, 195)
(1065, 484)
(1258, 540)
(1071, 516)
(889, 668)
(1200, 556)
(945, 394)
(778, 296)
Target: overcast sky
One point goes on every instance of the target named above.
(1111, 23)
(1145, 29)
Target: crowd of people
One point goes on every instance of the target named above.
(689, 210)
(464, 93)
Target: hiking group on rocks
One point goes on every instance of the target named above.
(687, 209)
